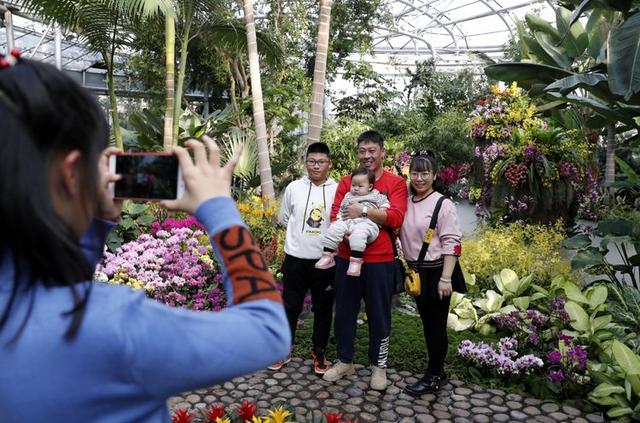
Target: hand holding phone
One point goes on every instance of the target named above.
(204, 178)
(108, 208)
(147, 176)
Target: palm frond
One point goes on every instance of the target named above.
(233, 37)
(247, 165)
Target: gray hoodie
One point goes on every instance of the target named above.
(305, 210)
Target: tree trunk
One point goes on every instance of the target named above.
(319, 73)
(264, 165)
(184, 51)
(610, 158)
(113, 107)
(108, 56)
(170, 53)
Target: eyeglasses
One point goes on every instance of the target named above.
(313, 163)
(421, 175)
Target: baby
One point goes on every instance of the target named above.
(362, 231)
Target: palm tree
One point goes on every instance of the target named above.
(319, 73)
(170, 66)
(264, 164)
(193, 15)
(100, 23)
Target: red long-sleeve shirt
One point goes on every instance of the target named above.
(395, 188)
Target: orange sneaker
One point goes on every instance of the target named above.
(320, 363)
(280, 364)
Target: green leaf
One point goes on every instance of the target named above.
(521, 302)
(137, 208)
(126, 223)
(145, 220)
(578, 11)
(575, 39)
(596, 83)
(628, 361)
(573, 293)
(558, 54)
(619, 411)
(624, 58)
(607, 389)
(587, 258)
(631, 175)
(616, 227)
(577, 242)
(525, 72)
(597, 295)
(536, 23)
(579, 317)
(507, 281)
(600, 322)
(621, 114)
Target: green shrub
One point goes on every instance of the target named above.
(526, 249)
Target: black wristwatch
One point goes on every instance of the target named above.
(364, 213)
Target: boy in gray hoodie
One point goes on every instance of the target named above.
(304, 210)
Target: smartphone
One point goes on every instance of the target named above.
(147, 176)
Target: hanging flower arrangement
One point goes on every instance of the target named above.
(524, 169)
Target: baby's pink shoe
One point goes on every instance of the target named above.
(355, 263)
(326, 261)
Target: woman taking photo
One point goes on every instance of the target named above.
(76, 350)
(438, 269)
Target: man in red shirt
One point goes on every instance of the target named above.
(375, 283)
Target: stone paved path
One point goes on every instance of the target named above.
(310, 396)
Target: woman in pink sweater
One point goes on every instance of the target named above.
(435, 262)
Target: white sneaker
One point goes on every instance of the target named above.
(378, 378)
(338, 371)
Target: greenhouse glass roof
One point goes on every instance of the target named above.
(454, 33)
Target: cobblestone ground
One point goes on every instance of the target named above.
(310, 396)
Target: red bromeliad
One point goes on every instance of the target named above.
(333, 417)
(247, 410)
(214, 412)
(182, 415)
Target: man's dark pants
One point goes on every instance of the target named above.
(299, 276)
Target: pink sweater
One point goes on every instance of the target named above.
(445, 241)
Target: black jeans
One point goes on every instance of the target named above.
(433, 313)
(299, 276)
(375, 286)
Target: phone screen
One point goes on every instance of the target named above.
(147, 176)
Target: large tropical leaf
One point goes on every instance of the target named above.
(536, 23)
(575, 38)
(596, 83)
(526, 73)
(557, 53)
(624, 58)
(610, 112)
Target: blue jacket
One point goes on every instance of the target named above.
(131, 353)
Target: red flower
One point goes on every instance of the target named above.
(333, 417)
(182, 415)
(457, 250)
(247, 410)
(214, 412)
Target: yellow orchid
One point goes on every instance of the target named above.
(279, 415)
(225, 420)
(257, 419)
